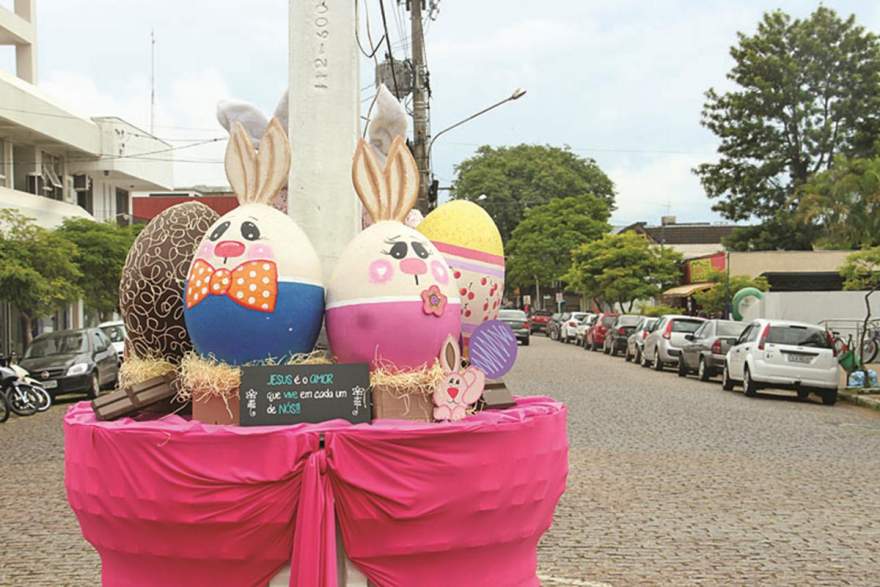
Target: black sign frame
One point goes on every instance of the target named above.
(279, 395)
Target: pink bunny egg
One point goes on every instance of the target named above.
(391, 300)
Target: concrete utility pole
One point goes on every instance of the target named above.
(324, 124)
(421, 122)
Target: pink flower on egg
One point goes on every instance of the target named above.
(433, 301)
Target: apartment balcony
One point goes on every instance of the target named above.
(47, 212)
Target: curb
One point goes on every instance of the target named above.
(864, 400)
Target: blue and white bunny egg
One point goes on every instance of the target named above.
(254, 289)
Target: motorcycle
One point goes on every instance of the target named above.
(44, 399)
(20, 396)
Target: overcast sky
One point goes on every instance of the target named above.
(621, 82)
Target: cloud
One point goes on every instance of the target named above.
(649, 187)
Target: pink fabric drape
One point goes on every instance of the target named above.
(175, 502)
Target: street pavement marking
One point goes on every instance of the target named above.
(571, 582)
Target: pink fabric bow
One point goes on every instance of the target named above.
(175, 502)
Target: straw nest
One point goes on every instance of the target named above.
(413, 388)
(136, 370)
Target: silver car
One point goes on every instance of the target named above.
(663, 346)
(636, 341)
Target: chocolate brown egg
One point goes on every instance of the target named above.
(151, 289)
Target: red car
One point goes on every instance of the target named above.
(539, 320)
(595, 338)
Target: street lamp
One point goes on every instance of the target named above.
(516, 95)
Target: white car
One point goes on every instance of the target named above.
(115, 331)
(788, 355)
(568, 328)
(580, 333)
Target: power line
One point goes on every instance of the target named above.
(388, 44)
(130, 132)
(373, 49)
(608, 150)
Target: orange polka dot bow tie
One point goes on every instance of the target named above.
(253, 284)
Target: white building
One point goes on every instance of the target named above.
(55, 164)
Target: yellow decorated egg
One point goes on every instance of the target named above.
(470, 242)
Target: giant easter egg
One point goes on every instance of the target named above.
(150, 291)
(391, 300)
(469, 240)
(254, 289)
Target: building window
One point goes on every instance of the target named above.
(4, 172)
(123, 214)
(51, 177)
(84, 197)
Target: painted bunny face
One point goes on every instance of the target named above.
(259, 232)
(390, 259)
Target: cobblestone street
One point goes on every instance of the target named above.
(672, 482)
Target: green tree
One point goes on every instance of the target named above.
(540, 247)
(101, 248)
(515, 179)
(623, 268)
(714, 301)
(808, 90)
(862, 269)
(844, 202)
(37, 272)
(659, 310)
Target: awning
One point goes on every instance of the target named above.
(683, 291)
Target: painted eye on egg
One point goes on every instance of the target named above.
(218, 232)
(398, 250)
(249, 231)
(420, 250)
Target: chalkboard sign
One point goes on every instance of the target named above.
(293, 394)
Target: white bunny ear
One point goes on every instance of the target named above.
(281, 111)
(367, 179)
(387, 122)
(241, 164)
(273, 162)
(402, 177)
(249, 116)
(450, 355)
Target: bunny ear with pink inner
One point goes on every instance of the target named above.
(450, 356)
(388, 192)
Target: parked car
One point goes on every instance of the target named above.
(568, 328)
(704, 350)
(539, 320)
(663, 345)
(115, 331)
(518, 322)
(615, 339)
(596, 333)
(636, 341)
(580, 333)
(553, 325)
(782, 354)
(72, 361)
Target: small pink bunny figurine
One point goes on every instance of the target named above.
(459, 389)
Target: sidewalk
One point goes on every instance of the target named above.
(866, 398)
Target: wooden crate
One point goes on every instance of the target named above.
(388, 405)
(135, 398)
(213, 410)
